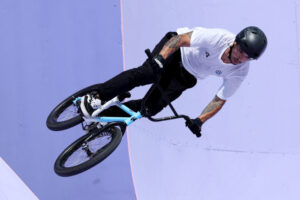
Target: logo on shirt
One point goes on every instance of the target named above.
(218, 72)
(207, 54)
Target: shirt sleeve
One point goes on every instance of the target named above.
(229, 87)
(206, 37)
(232, 83)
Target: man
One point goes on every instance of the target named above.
(181, 57)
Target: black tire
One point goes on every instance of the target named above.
(56, 125)
(62, 165)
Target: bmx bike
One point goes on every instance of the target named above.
(103, 133)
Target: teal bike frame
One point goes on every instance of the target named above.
(114, 102)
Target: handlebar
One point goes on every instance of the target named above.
(164, 96)
(169, 118)
(148, 53)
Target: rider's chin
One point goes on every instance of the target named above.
(235, 61)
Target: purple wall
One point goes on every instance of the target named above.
(50, 49)
(250, 150)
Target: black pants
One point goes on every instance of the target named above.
(174, 80)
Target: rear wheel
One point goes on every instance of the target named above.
(66, 114)
(89, 150)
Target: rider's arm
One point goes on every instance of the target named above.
(212, 108)
(228, 88)
(182, 40)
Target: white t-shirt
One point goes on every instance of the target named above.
(203, 58)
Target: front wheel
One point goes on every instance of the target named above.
(65, 115)
(89, 150)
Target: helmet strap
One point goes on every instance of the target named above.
(230, 52)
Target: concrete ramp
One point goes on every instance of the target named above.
(11, 186)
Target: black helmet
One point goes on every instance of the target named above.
(252, 41)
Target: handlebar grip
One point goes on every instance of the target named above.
(198, 134)
(189, 121)
(148, 53)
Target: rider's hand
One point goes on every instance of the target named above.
(157, 62)
(160, 61)
(195, 126)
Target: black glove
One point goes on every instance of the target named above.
(157, 62)
(195, 126)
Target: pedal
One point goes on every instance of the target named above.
(89, 127)
(123, 96)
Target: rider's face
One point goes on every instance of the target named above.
(238, 55)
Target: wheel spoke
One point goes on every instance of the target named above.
(77, 157)
(88, 150)
(97, 144)
(70, 112)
